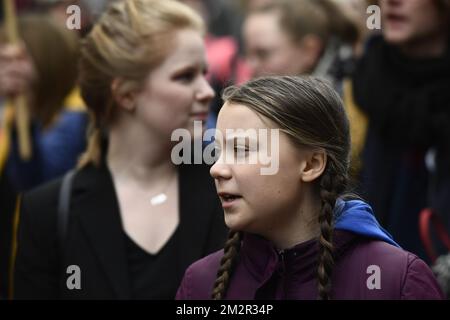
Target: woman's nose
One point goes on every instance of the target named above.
(205, 92)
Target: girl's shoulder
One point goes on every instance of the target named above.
(384, 271)
(199, 278)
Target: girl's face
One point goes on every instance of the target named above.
(269, 49)
(176, 93)
(408, 21)
(260, 204)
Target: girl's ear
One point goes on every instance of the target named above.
(313, 165)
(123, 94)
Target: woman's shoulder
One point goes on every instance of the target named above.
(40, 207)
(199, 278)
(45, 197)
(38, 212)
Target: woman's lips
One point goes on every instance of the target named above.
(199, 116)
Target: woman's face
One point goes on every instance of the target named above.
(269, 49)
(176, 93)
(409, 21)
(262, 204)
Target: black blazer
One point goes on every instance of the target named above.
(8, 200)
(95, 240)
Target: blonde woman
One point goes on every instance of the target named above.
(136, 220)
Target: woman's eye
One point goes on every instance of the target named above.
(186, 76)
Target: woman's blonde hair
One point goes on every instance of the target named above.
(130, 39)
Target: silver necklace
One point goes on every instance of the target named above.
(161, 197)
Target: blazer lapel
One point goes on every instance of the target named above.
(98, 209)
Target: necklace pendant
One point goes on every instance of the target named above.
(158, 199)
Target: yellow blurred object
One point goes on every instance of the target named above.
(23, 117)
(12, 261)
(74, 102)
(358, 125)
(5, 134)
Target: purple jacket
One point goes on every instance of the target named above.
(364, 269)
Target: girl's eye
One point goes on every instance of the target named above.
(241, 151)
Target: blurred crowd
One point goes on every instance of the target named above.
(394, 81)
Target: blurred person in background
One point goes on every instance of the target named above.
(357, 10)
(44, 69)
(293, 37)
(402, 89)
(317, 37)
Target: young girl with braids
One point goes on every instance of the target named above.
(295, 234)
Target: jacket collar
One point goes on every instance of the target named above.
(262, 259)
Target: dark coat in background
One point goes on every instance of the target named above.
(406, 156)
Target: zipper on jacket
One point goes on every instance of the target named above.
(281, 253)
